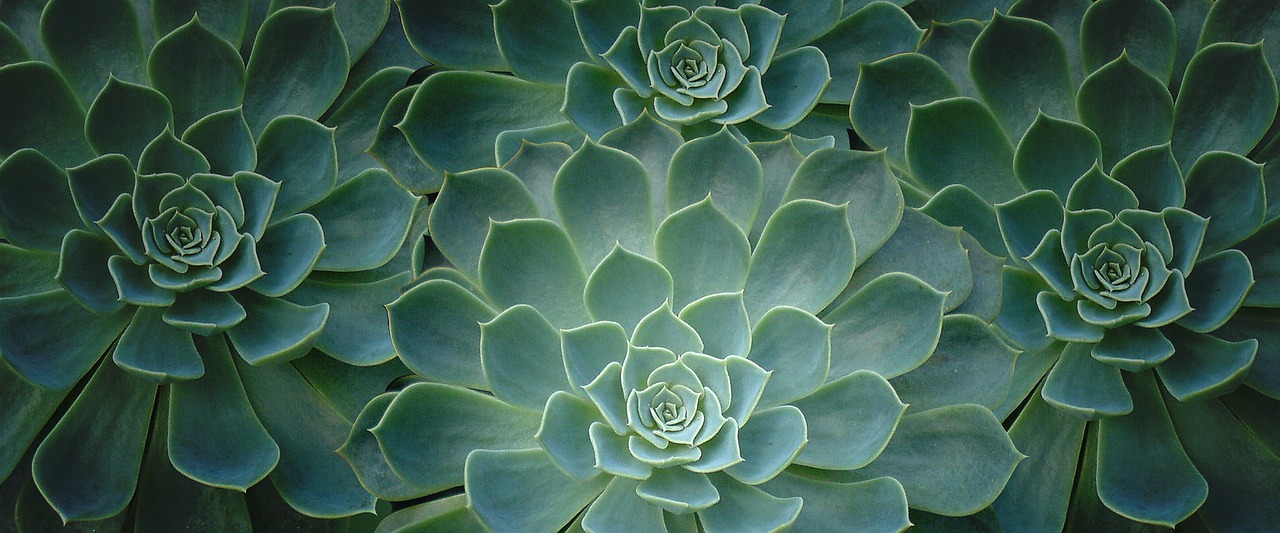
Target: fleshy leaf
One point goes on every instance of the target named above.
(125, 117)
(550, 499)
(38, 225)
(1096, 190)
(1035, 78)
(625, 287)
(1226, 102)
(967, 347)
(1227, 189)
(1053, 153)
(769, 443)
(1112, 28)
(362, 452)
(390, 148)
(802, 238)
(41, 113)
(467, 202)
(705, 252)
(722, 324)
(1026, 219)
(1153, 176)
(979, 456)
(87, 445)
(873, 32)
(1127, 107)
(167, 154)
(1037, 495)
(589, 98)
(24, 272)
(83, 270)
(198, 72)
(1085, 387)
(1063, 320)
(796, 347)
(67, 343)
(653, 143)
(356, 332)
(276, 330)
(662, 328)
(96, 187)
(298, 153)
(1204, 366)
(679, 491)
(1217, 290)
(429, 429)
(366, 221)
(1133, 348)
(155, 350)
(885, 92)
(983, 162)
(620, 508)
(744, 508)
(841, 438)
(299, 65)
(530, 261)
(589, 349)
(863, 181)
(287, 252)
(224, 140)
(944, 265)
(435, 328)
(90, 41)
(566, 420)
(227, 446)
(792, 86)
(1143, 472)
(520, 355)
(1264, 258)
(720, 167)
(875, 504)
(602, 196)
(865, 333)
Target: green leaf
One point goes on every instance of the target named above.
(1053, 153)
(365, 222)
(958, 206)
(197, 71)
(531, 261)
(601, 21)
(67, 342)
(89, 41)
(721, 322)
(1227, 101)
(1096, 190)
(966, 347)
(435, 328)
(803, 238)
(479, 103)
(83, 271)
(796, 348)
(299, 154)
(29, 408)
(1146, 29)
(125, 117)
(843, 440)
(1127, 107)
(38, 225)
(769, 444)
(1153, 176)
(861, 180)
(654, 144)
(748, 381)
(705, 252)
(42, 114)
(1133, 348)
(311, 478)
(288, 252)
(453, 34)
(429, 429)
(1085, 387)
(299, 65)
(1265, 262)
(602, 195)
(170, 501)
(866, 333)
(944, 266)
(625, 287)
(1064, 18)
(1026, 219)
(967, 438)
(744, 508)
(949, 43)
(225, 17)
(445, 514)
(662, 328)
(461, 215)
(780, 159)
(1027, 372)
(983, 161)
(1037, 495)
(1143, 472)
(1218, 289)
(621, 508)
(886, 90)
(589, 349)
(550, 498)
(24, 272)
(520, 355)
(224, 140)
(564, 433)
(1204, 366)
(356, 332)
(807, 20)
(878, 30)
(156, 350)
(167, 154)
(589, 98)
(792, 86)
(101, 438)
(361, 21)
(275, 330)
(720, 167)
(362, 452)
(541, 52)
(214, 435)
(96, 186)
(391, 149)
(1017, 85)
(1227, 189)
(877, 504)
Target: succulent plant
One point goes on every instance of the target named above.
(208, 220)
(1112, 160)
(642, 331)
(591, 66)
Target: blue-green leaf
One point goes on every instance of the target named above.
(1015, 86)
(625, 287)
(705, 252)
(435, 328)
(520, 355)
(957, 140)
(275, 330)
(197, 71)
(602, 195)
(1127, 107)
(89, 41)
(865, 335)
(530, 261)
(125, 117)
(550, 499)
(40, 225)
(1085, 387)
(298, 66)
(41, 113)
(1227, 101)
(804, 259)
(299, 154)
(67, 342)
(365, 222)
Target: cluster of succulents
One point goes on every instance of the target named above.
(639, 265)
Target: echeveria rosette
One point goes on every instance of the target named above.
(644, 331)
(205, 219)
(590, 66)
(1140, 241)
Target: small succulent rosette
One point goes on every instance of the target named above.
(650, 335)
(1141, 244)
(591, 66)
(172, 255)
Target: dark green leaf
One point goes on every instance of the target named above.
(125, 117)
(1144, 29)
(1204, 366)
(365, 222)
(879, 30)
(1227, 101)
(275, 330)
(967, 347)
(199, 72)
(1127, 107)
(299, 65)
(90, 40)
(287, 253)
(1153, 176)
(157, 351)
(1037, 495)
(957, 140)
(541, 52)
(224, 17)
(28, 176)
(453, 34)
(41, 113)
(224, 139)
(1016, 85)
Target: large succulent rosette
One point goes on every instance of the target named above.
(587, 67)
(1115, 160)
(650, 335)
(176, 258)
